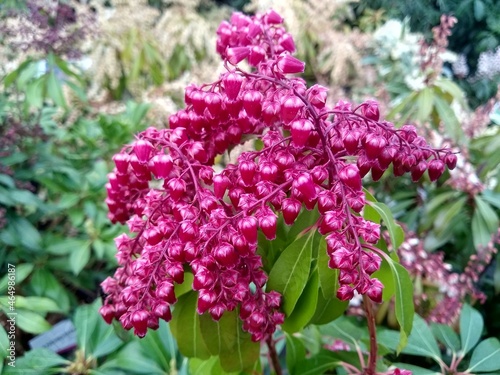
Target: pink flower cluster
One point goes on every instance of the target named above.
(186, 219)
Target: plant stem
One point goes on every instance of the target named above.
(370, 317)
(274, 356)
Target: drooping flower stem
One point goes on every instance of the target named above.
(274, 356)
(372, 328)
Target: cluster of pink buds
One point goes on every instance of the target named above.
(186, 219)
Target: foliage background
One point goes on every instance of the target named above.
(62, 119)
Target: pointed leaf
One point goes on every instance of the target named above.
(54, 89)
(486, 356)
(403, 300)
(290, 273)
(395, 231)
(295, 351)
(424, 104)
(305, 307)
(329, 309)
(185, 326)
(79, 257)
(421, 341)
(471, 328)
(447, 336)
(328, 278)
(225, 338)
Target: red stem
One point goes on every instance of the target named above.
(274, 356)
(370, 317)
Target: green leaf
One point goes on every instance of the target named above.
(479, 10)
(295, 352)
(290, 273)
(403, 300)
(328, 309)
(86, 321)
(160, 345)
(133, 360)
(305, 220)
(185, 326)
(39, 361)
(447, 336)
(305, 307)
(4, 343)
(226, 339)
(471, 328)
(484, 222)
(343, 328)
(424, 104)
(37, 304)
(421, 341)
(447, 213)
(79, 256)
(396, 233)
(399, 108)
(22, 272)
(328, 278)
(325, 360)
(416, 370)
(486, 356)
(34, 92)
(43, 283)
(31, 322)
(54, 89)
(447, 116)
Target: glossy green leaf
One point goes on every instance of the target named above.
(325, 360)
(39, 361)
(328, 278)
(447, 336)
(328, 309)
(290, 273)
(185, 327)
(22, 272)
(403, 300)
(79, 256)
(295, 352)
(305, 308)
(471, 328)
(343, 328)
(447, 213)
(304, 221)
(133, 360)
(31, 322)
(186, 286)
(4, 343)
(484, 222)
(44, 284)
(86, 321)
(225, 338)
(396, 233)
(160, 345)
(421, 341)
(485, 357)
(37, 304)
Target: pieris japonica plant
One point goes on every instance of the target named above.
(279, 240)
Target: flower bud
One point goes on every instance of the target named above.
(226, 255)
(142, 149)
(374, 291)
(267, 224)
(305, 184)
(248, 228)
(237, 54)
(374, 144)
(288, 64)
(301, 129)
(247, 170)
(221, 183)
(370, 110)
(107, 312)
(252, 103)
(232, 85)
(176, 188)
(257, 54)
(418, 171)
(121, 161)
(350, 176)
(345, 293)
(291, 208)
(290, 107)
(451, 161)
(436, 169)
(286, 41)
(161, 165)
